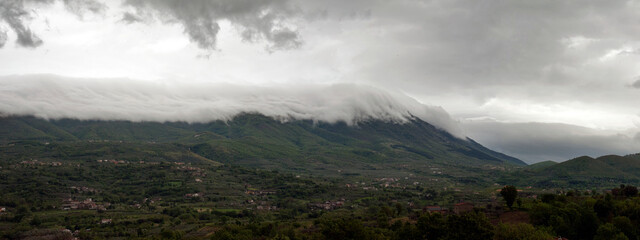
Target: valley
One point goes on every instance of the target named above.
(116, 179)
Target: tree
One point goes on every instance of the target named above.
(399, 209)
(509, 193)
(471, 225)
(432, 226)
(344, 228)
(520, 231)
(609, 232)
(625, 225)
(604, 208)
(630, 191)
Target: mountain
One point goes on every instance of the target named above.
(259, 141)
(540, 165)
(581, 171)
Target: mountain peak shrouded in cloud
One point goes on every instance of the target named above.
(518, 62)
(55, 97)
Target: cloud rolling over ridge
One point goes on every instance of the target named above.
(54, 97)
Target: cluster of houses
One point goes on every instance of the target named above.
(394, 182)
(382, 182)
(328, 205)
(40, 163)
(387, 182)
(349, 185)
(260, 192)
(193, 195)
(267, 207)
(84, 189)
(70, 204)
(195, 171)
(112, 161)
(147, 200)
(188, 168)
(98, 140)
(262, 205)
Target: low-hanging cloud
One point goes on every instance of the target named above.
(535, 142)
(54, 97)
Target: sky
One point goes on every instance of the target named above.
(538, 80)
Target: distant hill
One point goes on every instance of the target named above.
(260, 141)
(540, 165)
(581, 171)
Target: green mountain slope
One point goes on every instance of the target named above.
(249, 137)
(415, 151)
(540, 165)
(581, 171)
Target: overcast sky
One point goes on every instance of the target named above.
(539, 80)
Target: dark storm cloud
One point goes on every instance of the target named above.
(3, 37)
(535, 142)
(130, 18)
(14, 14)
(17, 15)
(80, 7)
(256, 20)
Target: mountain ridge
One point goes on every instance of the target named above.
(580, 171)
(255, 136)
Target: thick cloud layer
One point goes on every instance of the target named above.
(52, 97)
(536, 142)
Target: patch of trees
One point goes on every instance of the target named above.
(600, 217)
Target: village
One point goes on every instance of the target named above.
(87, 204)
